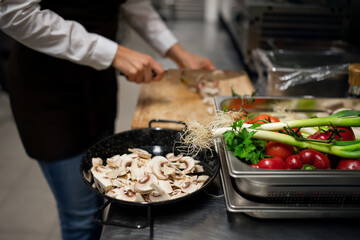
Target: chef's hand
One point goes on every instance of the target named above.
(185, 59)
(137, 67)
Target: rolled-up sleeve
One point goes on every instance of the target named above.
(47, 32)
(146, 21)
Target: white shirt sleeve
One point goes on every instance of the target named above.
(47, 32)
(146, 21)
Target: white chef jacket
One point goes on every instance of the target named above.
(47, 32)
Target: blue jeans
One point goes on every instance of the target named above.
(76, 202)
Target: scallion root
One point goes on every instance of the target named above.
(198, 136)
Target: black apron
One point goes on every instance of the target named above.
(61, 108)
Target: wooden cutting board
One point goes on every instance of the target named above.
(170, 99)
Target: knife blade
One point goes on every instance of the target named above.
(192, 77)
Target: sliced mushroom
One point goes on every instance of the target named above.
(130, 185)
(102, 182)
(140, 152)
(113, 192)
(177, 193)
(166, 185)
(126, 195)
(182, 165)
(114, 161)
(178, 175)
(126, 161)
(143, 185)
(178, 183)
(202, 178)
(118, 182)
(136, 171)
(158, 163)
(200, 181)
(175, 164)
(139, 198)
(138, 177)
(198, 168)
(116, 173)
(167, 170)
(190, 164)
(189, 186)
(158, 194)
(96, 162)
(172, 158)
(100, 169)
(148, 167)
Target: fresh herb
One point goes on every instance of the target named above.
(239, 140)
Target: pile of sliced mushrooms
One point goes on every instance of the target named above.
(139, 177)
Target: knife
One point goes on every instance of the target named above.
(192, 77)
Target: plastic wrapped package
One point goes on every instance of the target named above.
(315, 74)
(295, 73)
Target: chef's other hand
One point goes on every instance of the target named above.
(137, 67)
(185, 59)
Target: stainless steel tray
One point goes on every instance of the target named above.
(281, 186)
(236, 202)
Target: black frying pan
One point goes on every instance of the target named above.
(157, 141)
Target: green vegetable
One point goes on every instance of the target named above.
(346, 118)
(240, 141)
(248, 143)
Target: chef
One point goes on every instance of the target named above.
(62, 85)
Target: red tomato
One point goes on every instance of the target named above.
(242, 115)
(293, 162)
(320, 136)
(314, 158)
(247, 121)
(271, 163)
(281, 150)
(346, 134)
(265, 118)
(255, 165)
(349, 164)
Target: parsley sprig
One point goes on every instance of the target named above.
(240, 142)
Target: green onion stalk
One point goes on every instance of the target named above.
(313, 122)
(345, 149)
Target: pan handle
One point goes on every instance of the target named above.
(166, 121)
(123, 220)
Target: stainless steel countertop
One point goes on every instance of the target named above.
(205, 217)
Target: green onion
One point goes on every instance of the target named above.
(313, 122)
(346, 149)
(350, 150)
